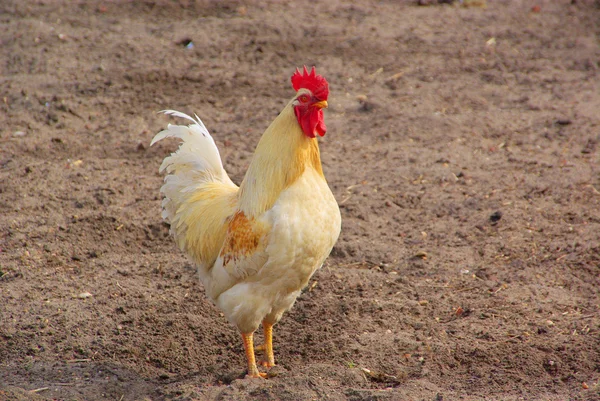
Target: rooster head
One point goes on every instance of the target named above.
(311, 97)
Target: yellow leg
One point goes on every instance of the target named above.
(249, 347)
(268, 346)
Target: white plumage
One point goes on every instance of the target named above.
(255, 246)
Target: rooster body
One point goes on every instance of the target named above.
(255, 246)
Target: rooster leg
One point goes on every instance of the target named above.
(268, 345)
(249, 347)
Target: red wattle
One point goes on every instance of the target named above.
(321, 128)
(311, 121)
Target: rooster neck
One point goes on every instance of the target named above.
(282, 155)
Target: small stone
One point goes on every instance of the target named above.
(420, 255)
(495, 217)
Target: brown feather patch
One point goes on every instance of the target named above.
(243, 238)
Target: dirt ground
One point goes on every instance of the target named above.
(462, 147)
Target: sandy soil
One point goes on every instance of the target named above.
(462, 148)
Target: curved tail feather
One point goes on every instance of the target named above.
(198, 150)
(199, 195)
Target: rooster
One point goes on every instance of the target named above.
(257, 245)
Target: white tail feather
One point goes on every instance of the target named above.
(198, 152)
(195, 163)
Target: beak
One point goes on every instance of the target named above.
(320, 105)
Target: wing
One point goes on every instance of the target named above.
(244, 249)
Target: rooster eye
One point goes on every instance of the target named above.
(304, 98)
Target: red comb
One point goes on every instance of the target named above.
(311, 81)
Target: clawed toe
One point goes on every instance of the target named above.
(257, 375)
(266, 364)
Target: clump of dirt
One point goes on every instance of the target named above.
(462, 147)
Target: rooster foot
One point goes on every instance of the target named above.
(257, 375)
(266, 364)
(265, 361)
